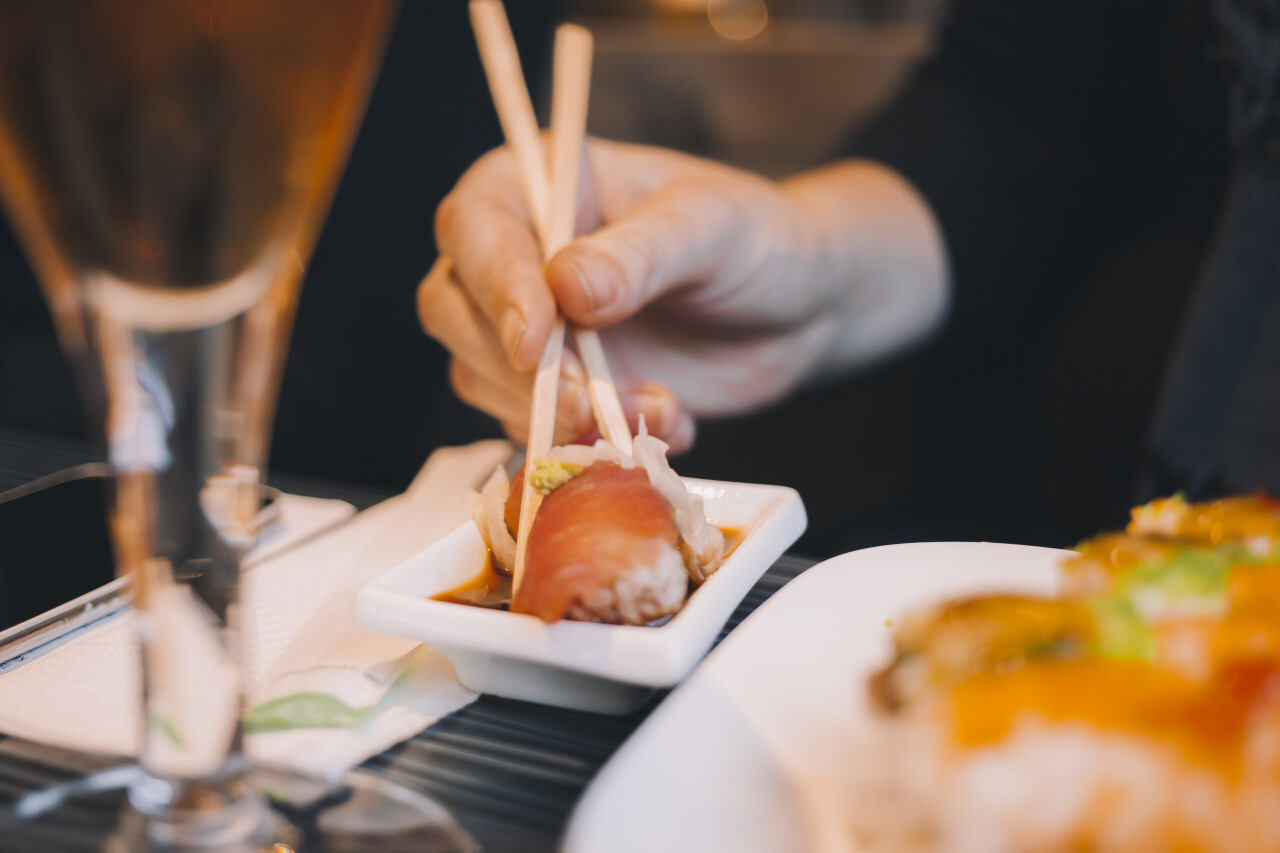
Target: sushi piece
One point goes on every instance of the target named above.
(617, 538)
(1096, 754)
(1161, 588)
(1234, 530)
(603, 548)
(1138, 712)
(1252, 521)
(1103, 558)
(993, 633)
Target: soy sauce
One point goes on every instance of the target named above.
(491, 588)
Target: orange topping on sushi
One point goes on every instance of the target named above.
(1207, 723)
(1104, 557)
(1246, 518)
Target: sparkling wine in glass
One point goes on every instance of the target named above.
(167, 165)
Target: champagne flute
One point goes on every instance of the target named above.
(167, 165)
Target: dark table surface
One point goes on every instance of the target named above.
(509, 771)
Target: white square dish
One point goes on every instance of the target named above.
(582, 665)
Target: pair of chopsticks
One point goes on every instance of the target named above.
(554, 207)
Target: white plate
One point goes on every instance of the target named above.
(751, 753)
(608, 668)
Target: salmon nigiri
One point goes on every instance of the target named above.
(617, 538)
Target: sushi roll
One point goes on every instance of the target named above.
(1139, 711)
(603, 548)
(1252, 521)
(1096, 754)
(617, 538)
(993, 633)
(1160, 589)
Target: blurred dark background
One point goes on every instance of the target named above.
(1029, 431)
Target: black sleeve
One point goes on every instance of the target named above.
(1042, 133)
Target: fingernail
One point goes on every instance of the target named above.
(582, 420)
(683, 434)
(658, 406)
(511, 328)
(599, 282)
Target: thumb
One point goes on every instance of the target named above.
(678, 237)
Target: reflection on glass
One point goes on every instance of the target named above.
(167, 165)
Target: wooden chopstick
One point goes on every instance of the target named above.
(572, 63)
(554, 213)
(571, 84)
(600, 388)
(520, 127)
(511, 99)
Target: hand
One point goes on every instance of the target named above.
(722, 291)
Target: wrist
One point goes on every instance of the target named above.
(878, 262)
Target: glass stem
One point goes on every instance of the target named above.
(184, 515)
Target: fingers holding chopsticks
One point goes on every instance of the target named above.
(489, 240)
(510, 403)
(486, 235)
(481, 372)
(663, 229)
(484, 377)
(491, 301)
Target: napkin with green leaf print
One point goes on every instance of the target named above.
(336, 694)
(323, 694)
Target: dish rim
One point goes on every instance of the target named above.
(720, 677)
(398, 601)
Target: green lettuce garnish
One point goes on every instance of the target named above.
(302, 711)
(1122, 632)
(1191, 578)
(164, 724)
(1188, 580)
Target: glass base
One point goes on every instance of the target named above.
(247, 830)
(279, 812)
(219, 813)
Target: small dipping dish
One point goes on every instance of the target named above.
(582, 665)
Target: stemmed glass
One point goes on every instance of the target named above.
(167, 164)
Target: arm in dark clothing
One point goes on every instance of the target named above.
(1042, 133)
(1072, 154)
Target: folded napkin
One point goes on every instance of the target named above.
(323, 694)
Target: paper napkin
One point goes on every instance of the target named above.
(323, 694)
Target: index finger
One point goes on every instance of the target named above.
(484, 227)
